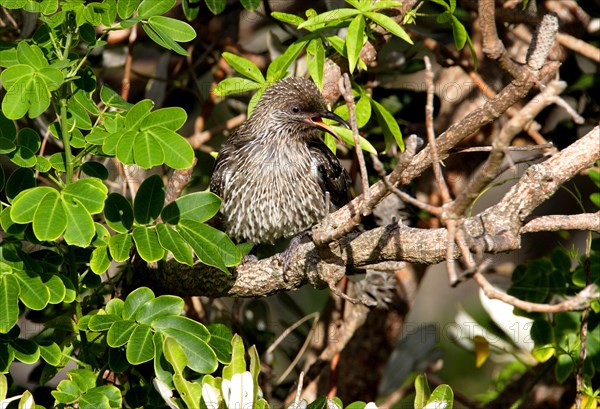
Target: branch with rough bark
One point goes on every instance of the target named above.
(497, 229)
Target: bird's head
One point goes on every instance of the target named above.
(296, 103)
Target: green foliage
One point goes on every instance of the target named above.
(442, 396)
(555, 337)
(361, 21)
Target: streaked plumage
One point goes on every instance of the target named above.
(273, 171)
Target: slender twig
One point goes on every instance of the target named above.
(364, 177)
(576, 303)
(198, 139)
(526, 148)
(451, 223)
(437, 171)
(405, 197)
(315, 320)
(126, 81)
(579, 46)
(490, 168)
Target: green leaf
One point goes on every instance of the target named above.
(56, 288)
(220, 342)
(422, 391)
(9, 302)
(178, 153)
(316, 60)
(212, 246)
(183, 324)
(120, 246)
(346, 135)
(459, 33)
(279, 66)
(171, 240)
(383, 4)
(80, 228)
(162, 306)
(31, 55)
(244, 66)
(140, 347)
(329, 18)
(110, 98)
(120, 332)
(201, 358)
(190, 392)
(191, 8)
(21, 180)
(389, 24)
(147, 150)
(34, 294)
(250, 4)
(363, 110)
(177, 30)
(137, 113)
(102, 322)
(198, 206)
(162, 368)
(174, 354)
(126, 8)
(29, 95)
(51, 353)
(90, 192)
(388, 124)
(440, 395)
(171, 118)
(135, 300)
(108, 396)
(288, 18)
(115, 306)
(118, 213)
(50, 218)
(149, 8)
(78, 117)
(238, 360)
(355, 39)
(216, 6)
(234, 85)
(149, 200)
(25, 350)
(163, 39)
(147, 244)
(95, 170)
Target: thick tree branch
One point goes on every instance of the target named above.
(495, 230)
(584, 221)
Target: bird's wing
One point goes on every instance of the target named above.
(333, 178)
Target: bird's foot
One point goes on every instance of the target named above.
(286, 256)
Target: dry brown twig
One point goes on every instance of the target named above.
(346, 88)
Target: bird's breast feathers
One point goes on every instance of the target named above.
(275, 196)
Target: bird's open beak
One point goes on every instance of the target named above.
(317, 121)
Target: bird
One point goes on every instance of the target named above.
(274, 174)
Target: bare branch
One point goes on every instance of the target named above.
(364, 177)
(584, 221)
(489, 170)
(579, 46)
(576, 303)
(177, 182)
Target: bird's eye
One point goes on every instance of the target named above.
(295, 109)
